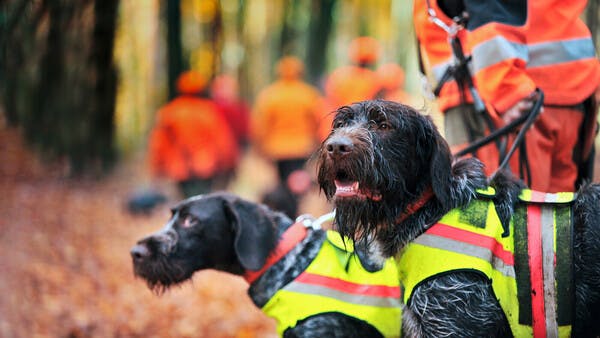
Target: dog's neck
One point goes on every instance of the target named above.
(467, 177)
(426, 195)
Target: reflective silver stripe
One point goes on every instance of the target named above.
(498, 49)
(550, 198)
(549, 53)
(485, 254)
(547, 220)
(311, 289)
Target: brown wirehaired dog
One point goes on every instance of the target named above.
(392, 179)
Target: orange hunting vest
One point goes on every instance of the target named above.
(435, 52)
(552, 50)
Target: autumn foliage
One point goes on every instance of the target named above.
(65, 269)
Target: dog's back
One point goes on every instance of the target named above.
(543, 282)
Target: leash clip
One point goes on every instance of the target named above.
(308, 221)
(316, 224)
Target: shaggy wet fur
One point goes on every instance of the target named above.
(396, 154)
(224, 232)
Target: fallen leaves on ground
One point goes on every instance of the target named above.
(65, 269)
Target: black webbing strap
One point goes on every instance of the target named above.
(526, 120)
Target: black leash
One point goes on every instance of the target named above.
(459, 72)
(526, 120)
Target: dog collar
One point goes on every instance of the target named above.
(289, 239)
(418, 204)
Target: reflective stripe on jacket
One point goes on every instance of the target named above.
(343, 287)
(553, 50)
(530, 268)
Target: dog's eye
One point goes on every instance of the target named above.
(384, 126)
(338, 124)
(379, 125)
(188, 221)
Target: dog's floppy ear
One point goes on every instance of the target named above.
(255, 234)
(441, 170)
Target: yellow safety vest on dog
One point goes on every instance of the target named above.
(530, 267)
(336, 281)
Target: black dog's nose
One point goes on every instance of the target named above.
(339, 146)
(139, 252)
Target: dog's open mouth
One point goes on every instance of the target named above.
(347, 188)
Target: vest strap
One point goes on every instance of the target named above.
(290, 238)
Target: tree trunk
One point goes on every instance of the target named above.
(320, 27)
(174, 47)
(60, 80)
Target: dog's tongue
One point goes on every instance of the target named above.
(350, 189)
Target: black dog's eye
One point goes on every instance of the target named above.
(188, 221)
(337, 124)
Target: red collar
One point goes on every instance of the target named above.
(289, 239)
(418, 204)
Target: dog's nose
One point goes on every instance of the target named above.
(339, 146)
(139, 252)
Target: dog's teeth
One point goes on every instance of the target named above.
(346, 189)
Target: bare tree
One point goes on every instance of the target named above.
(58, 79)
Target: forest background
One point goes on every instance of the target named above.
(80, 83)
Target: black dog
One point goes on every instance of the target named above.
(280, 259)
(391, 177)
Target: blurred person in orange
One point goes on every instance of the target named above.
(225, 92)
(191, 141)
(355, 82)
(392, 79)
(285, 121)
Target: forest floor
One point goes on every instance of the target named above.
(65, 269)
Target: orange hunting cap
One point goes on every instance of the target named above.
(391, 75)
(290, 67)
(364, 49)
(191, 82)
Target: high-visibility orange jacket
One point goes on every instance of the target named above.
(346, 85)
(541, 43)
(191, 138)
(436, 53)
(517, 47)
(349, 84)
(391, 77)
(285, 119)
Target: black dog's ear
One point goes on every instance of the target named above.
(255, 234)
(441, 170)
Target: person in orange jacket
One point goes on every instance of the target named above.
(462, 125)
(518, 47)
(225, 92)
(285, 120)
(391, 77)
(356, 81)
(191, 141)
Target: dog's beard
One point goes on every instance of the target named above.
(161, 273)
(361, 220)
